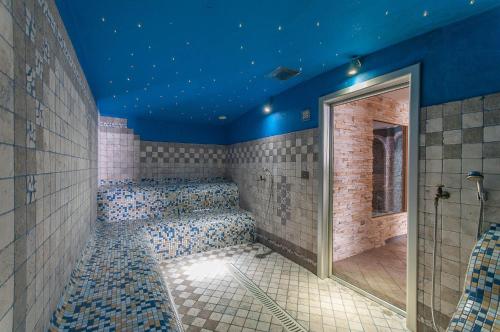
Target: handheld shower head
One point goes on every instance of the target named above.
(476, 176)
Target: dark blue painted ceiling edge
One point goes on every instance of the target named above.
(458, 61)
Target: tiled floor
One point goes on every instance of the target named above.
(119, 285)
(380, 271)
(208, 297)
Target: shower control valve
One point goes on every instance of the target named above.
(440, 193)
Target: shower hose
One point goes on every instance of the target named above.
(434, 249)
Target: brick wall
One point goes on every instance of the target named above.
(48, 162)
(355, 230)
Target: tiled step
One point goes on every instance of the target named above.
(200, 231)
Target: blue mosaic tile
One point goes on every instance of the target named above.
(200, 231)
(116, 286)
(478, 307)
(148, 199)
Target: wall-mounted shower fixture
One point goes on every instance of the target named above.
(476, 176)
(440, 194)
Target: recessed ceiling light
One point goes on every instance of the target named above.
(222, 117)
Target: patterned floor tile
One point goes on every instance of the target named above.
(203, 281)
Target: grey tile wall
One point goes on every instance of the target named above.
(124, 156)
(48, 162)
(181, 160)
(284, 204)
(454, 138)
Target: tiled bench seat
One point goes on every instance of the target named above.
(478, 307)
(179, 217)
(200, 231)
(149, 199)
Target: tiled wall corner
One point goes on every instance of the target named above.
(48, 162)
(124, 156)
(284, 205)
(118, 156)
(455, 138)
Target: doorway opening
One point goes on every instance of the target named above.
(367, 216)
(369, 184)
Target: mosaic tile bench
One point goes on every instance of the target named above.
(116, 286)
(478, 307)
(149, 199)
(179, 217)
(200, 231)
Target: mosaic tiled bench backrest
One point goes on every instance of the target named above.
(478, 307)
(148, 199)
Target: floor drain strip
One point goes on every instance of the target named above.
(285, 319)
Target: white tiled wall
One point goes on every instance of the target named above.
(48, 163)
(455, 138)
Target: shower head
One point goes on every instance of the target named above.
(476, 176)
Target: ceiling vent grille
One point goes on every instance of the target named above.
(283, 73)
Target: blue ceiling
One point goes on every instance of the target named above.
(192, 61)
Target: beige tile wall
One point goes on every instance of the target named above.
(48, 162)
(284, 205)
(118, 150)
(124, 156)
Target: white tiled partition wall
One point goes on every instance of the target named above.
(48, 162)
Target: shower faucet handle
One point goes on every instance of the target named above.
(440, 193)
